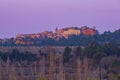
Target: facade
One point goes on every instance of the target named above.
(66, 32)
(72, 32)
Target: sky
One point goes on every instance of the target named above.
(34, 16)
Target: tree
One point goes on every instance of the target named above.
(52, 73)
(91, 49)
(97, 57)
(111, 49)
(79, 69)
(66, 54)
(86, 68)
(61, 71)
(79, 52)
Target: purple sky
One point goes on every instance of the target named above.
(32, 16)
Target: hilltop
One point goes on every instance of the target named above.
(69, 36)
(28, 39)
(95, 53)
(59, 33)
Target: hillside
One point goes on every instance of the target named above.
(71, 36)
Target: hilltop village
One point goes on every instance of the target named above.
(49, 37)
(65, 32)
(59, 33)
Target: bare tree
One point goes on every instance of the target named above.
(21, 72)
(86, 70)
(1, 76)
(41, 75)
(61, 72)
(52, 67)
(8, 67)
(35, 70)
(13, 73)
(79, 66)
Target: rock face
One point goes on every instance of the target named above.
(59, 33)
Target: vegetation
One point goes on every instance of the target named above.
(66, 54)
(73, 40)
(94, 62)
(15, 55)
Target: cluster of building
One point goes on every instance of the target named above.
(66, 32)
(59, 33)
